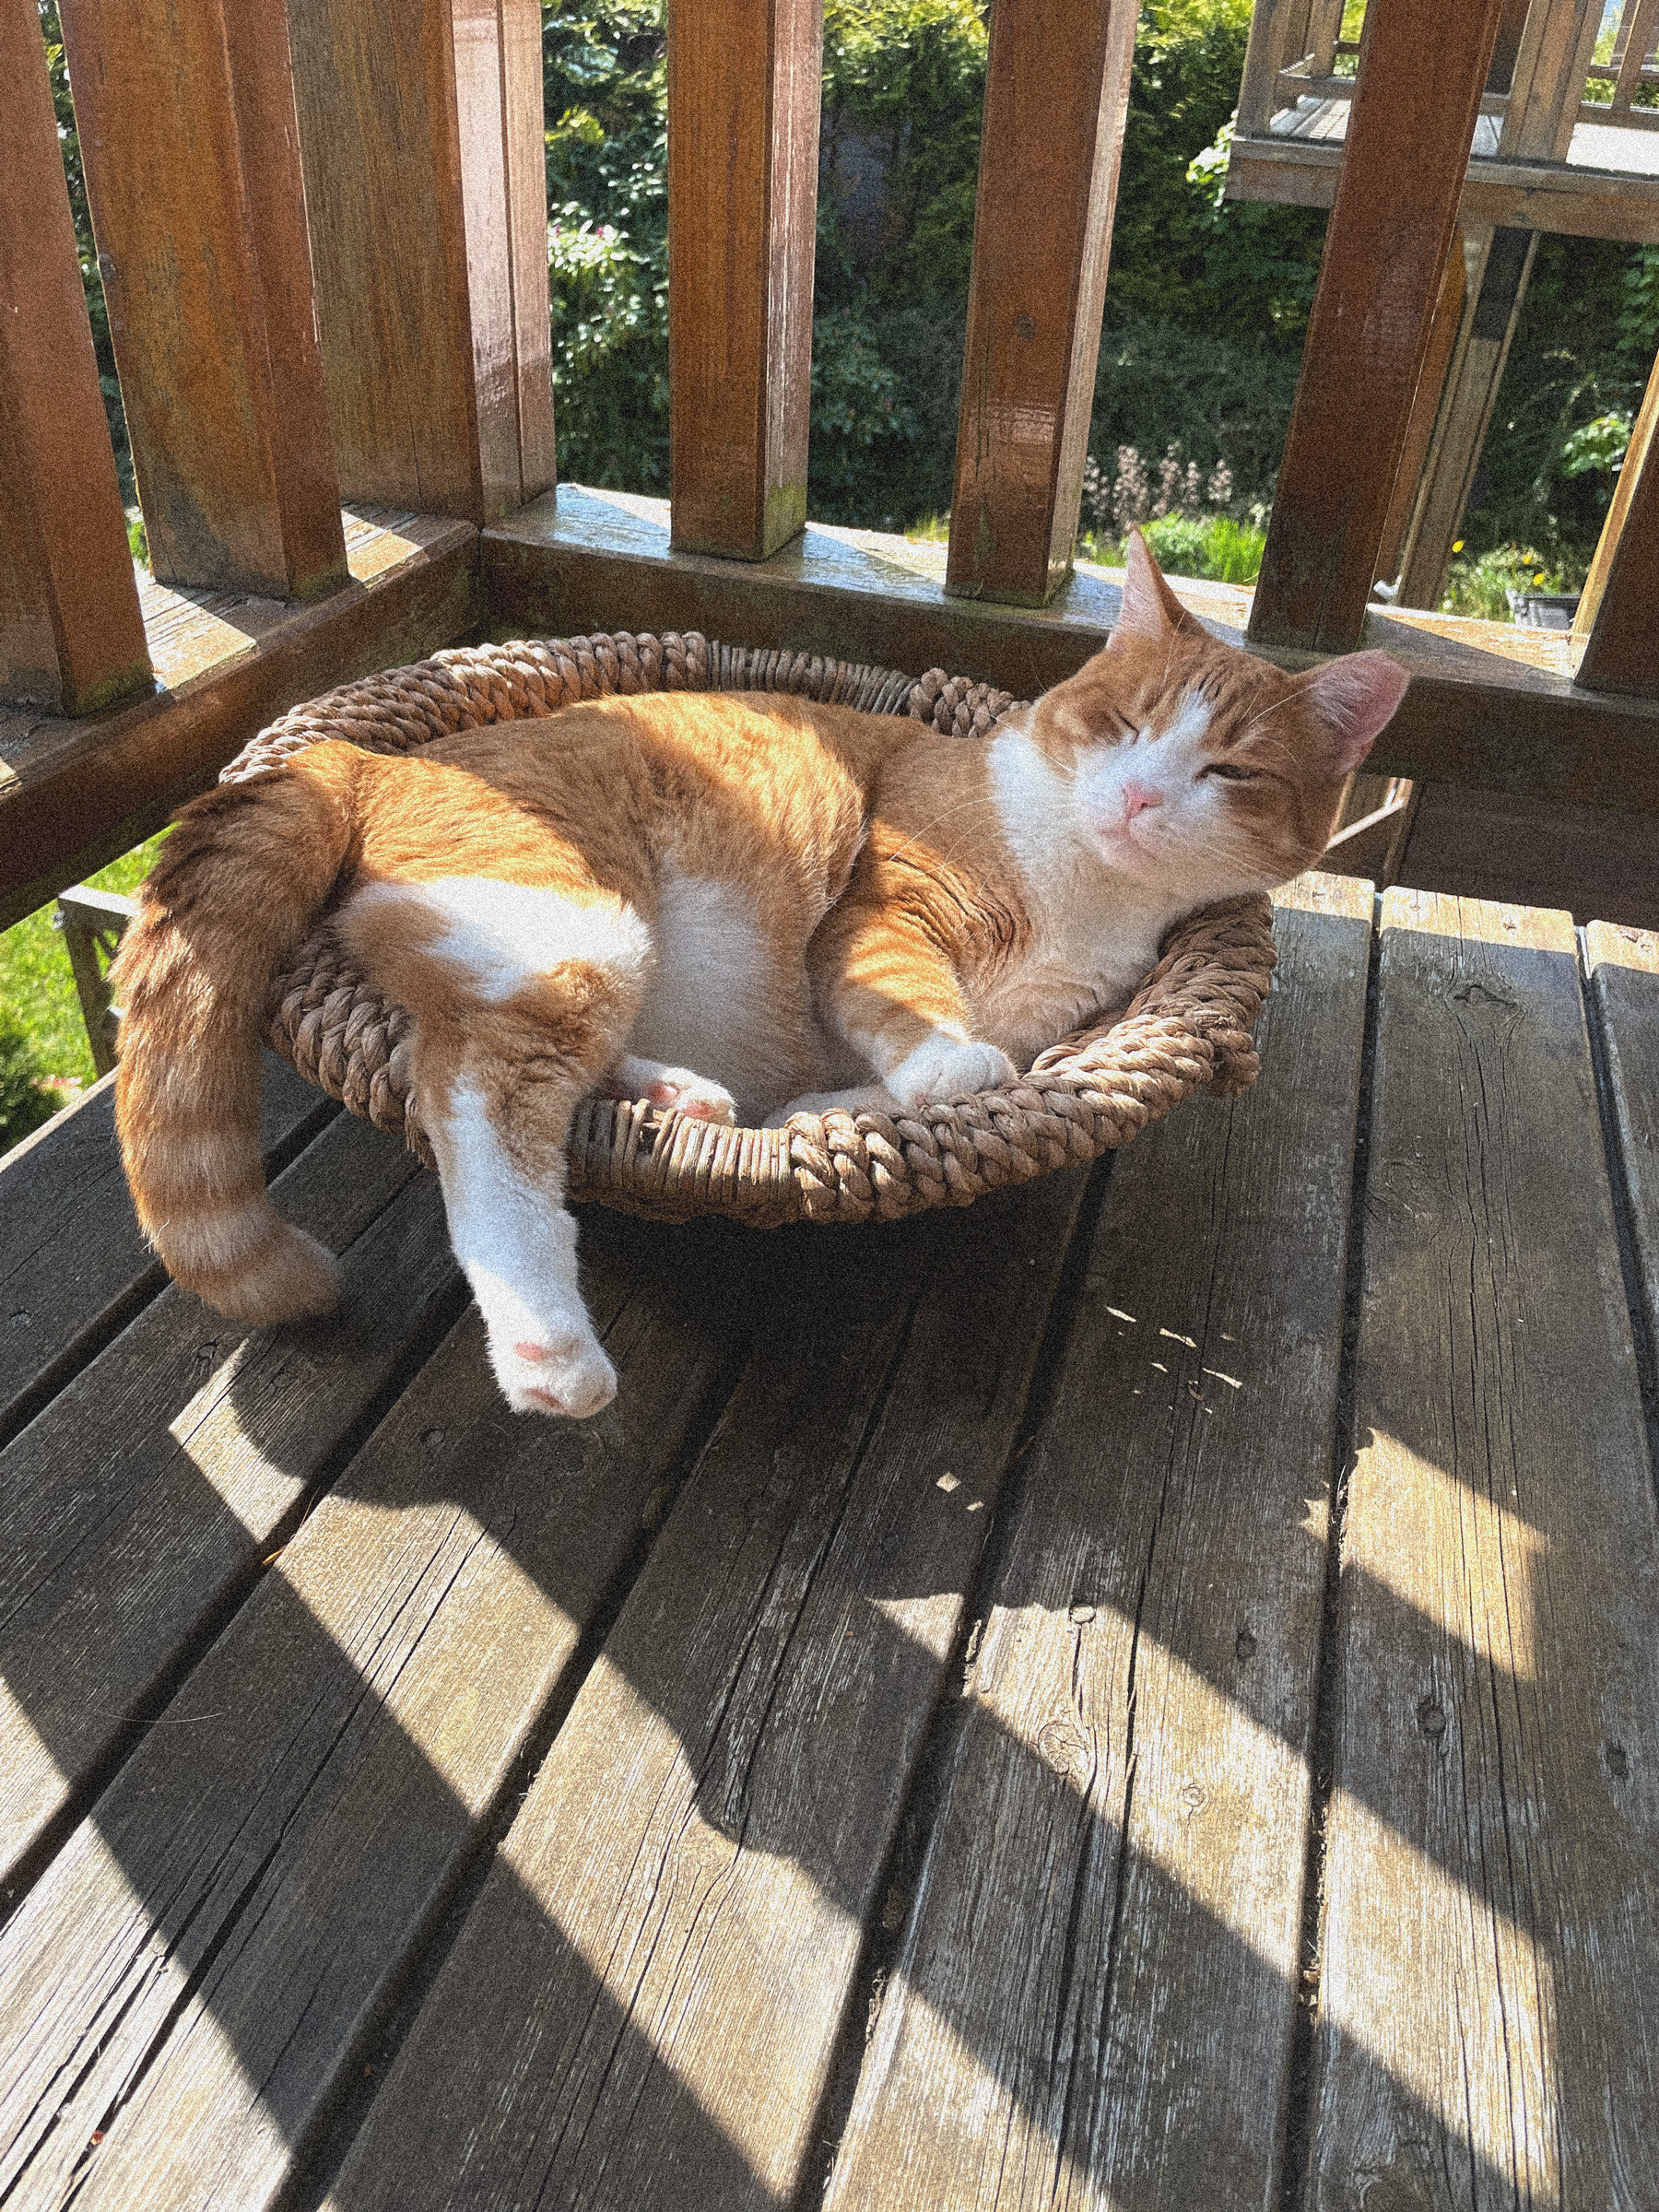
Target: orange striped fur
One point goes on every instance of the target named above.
(734, 906)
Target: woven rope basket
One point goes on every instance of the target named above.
(1187, 1028)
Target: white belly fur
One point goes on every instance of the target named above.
(715, 1002)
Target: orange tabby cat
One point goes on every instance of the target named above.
(719, 903)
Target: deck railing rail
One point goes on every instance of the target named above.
(322, 235)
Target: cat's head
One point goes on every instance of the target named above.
(1192, 764)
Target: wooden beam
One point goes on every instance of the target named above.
(1491, 313)
(1636, 32)
(187, 138)
(743, 134)
(71, 636)
(1527, 195)
(420, 128)
(1407, 148)
(1425, 406)
(1056, 97)
(1614, 633)
(74, 795)
(1491, 706)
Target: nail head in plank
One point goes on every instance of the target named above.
(71, 636)
(650, 1986)
(188, 141)
(1624, 974)
(1094, 1998)
(261, 1872)
(1390, 232)
(76, 1261)
(132, 1507)
(1056, 93)
(1489, 2031)
(744, 79)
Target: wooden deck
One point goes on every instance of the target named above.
(1142, 1693)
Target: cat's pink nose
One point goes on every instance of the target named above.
(1137, 798)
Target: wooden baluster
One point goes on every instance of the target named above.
(1324, 25)
(1390, 232)
(1557, 48)
(1614, 632)
(71, 635)
(1636, 29)
(1279, 35)
(187, 138)
(1055, 96)
(744, 95)
(1425, 407)
(421, 126)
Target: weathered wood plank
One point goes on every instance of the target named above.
(644, 2004)
(74, 794)
(1478, 714)
(71, 637)
(1056, 93)
(1613, 631)
(261, 1870)
(1624, 973)
(1489, 2030)
(188, 141)
(1425, 408)
(1093, 2000)
(149, 1488)
(420, 131)
(75, 1266)
(743, 139)
(1407, 146)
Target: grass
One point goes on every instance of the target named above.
(1215, 546)
(1479, 583)
(45, 1061)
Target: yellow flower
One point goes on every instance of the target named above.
(1539, 577)
(1457, 544)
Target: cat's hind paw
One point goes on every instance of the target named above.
(673, 1090)
(564, 1371)
(948, 1068)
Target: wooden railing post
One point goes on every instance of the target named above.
(1423, 70)
(744, 91)
(1055, 95)
(71, 635)
(186, 123)
(1615, 633)
(421, 126)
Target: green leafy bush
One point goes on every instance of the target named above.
(1479, 583)
(25, 1103)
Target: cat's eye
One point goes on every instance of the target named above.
(1231, 771)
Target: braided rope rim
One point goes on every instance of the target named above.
(1188, 1028)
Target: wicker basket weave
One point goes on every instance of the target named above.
(1187, 1030)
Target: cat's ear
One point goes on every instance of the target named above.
(1355, 696)
(1151, 608)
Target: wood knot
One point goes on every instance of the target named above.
(1061, 1745)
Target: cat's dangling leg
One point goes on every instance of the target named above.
(510, 1036)
(676, 1089)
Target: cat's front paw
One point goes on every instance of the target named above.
(561, 1370)
(948, 1068)
(674, 1090)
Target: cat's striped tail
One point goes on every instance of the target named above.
(235, 891)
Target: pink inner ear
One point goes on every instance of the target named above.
(1356, 696)
(1151, 609)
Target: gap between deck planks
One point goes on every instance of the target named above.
(193, 1975)
(76, 1265)
(1489, 2023)
(139, 1501)
(1093, 1999)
